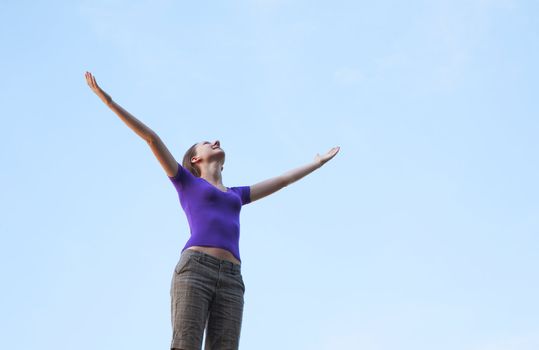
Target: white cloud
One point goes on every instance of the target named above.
(443, 45)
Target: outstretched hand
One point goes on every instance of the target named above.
(326, 157)
(90, 79)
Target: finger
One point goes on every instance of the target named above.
(331, 155)
(91, 81)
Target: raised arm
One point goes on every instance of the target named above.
(159, 149)
(269, 186)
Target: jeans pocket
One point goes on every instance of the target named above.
(242, 284)
(182, 264)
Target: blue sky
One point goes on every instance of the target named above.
(422, 233)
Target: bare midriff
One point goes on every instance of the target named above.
(219, 253)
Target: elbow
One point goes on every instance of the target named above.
(151, 138)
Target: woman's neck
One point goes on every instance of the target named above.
(212, 173)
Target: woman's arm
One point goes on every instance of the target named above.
(136, 125)
(269, 186)
(163, 155)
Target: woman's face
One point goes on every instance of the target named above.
(210, 150)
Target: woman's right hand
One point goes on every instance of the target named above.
(90, 79)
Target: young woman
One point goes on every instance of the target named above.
(207, 287)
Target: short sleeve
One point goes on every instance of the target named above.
(182, 177)
(245, 194)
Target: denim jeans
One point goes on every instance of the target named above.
(206, 293)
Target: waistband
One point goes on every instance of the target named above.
(202, 257)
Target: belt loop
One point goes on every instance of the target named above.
(197, 255)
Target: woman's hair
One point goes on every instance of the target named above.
(191, 152)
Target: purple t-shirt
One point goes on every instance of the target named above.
(213, 215)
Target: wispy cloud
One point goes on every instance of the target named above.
(441, 47)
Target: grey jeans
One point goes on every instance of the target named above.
(206, 293)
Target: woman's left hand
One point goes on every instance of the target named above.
(326, 157)
(90, 79)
